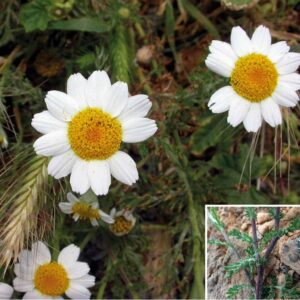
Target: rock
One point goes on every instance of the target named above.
(263, 228)
(290, 254)
(292, 213)
(263, 217)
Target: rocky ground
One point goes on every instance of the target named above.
(285, 258)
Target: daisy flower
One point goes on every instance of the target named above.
(262, 78)
(40, 278)
(83, 210)
(6, 291)
(124, 221)
(84, 128)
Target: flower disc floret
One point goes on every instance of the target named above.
(94, 134)
(51, 279)
(85, 211)
(254, 77)
(121, 225)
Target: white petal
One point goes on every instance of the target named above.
(21, 285)
(6, 291)
(289, 63)
(65, 207)
(61, 105)
(253, 118)
(86, 281)
(97, 86)
(223, 49)
(137, 107)
(285, 96)
(238, 110)
(123, 168)
(240, 41)
(261, 40)
(53, 143)
(271, 112)
(277, 51)
(77, 291)
(106, 218)
(77, 269)
(79, 177)
(138, 130)
(72, 198)
(292, 80)
(219, 64)
(69, 255)
(76, 87)
(61, 165)
(113, 212)
(99, 176)
(44, 122)
(220, 101)
(24, 271)
(116, 98)
(26, 259)
(35, 294)
(94, 222)
(41, 253)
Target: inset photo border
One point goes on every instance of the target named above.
(252, 251)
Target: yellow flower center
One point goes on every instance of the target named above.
(254, 77)
(51, 279)
(94, 134)
(85, 211)
(121, 225)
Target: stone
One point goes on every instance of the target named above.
(290, 254)
(263, 217)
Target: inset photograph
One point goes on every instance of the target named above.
(252, 252)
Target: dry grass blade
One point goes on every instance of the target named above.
(20, 205)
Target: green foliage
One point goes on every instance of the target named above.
(36, 15)
(239, 4)
(250, 213)
(87, 24)
(241, 236)
(218, 243)
(246, 263)
(236, 289)
(215, 219)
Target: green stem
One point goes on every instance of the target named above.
(198, 289)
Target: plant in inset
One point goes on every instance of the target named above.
(257, 254)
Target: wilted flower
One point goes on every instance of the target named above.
(81, 209)
(124, 221)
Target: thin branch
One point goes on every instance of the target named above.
(261, 268)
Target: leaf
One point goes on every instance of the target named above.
(219, 243)
(211, 133)
(215, 219)
(241, 236)
(239, 4)
(81, 24)
(248, 262)
(234, 290)
(250, 213)
(35, 15)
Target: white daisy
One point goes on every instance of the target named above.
(124, 221)
(262, 76)
(40, 278)
(83, 131)
(81, 209)
(6, 291)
